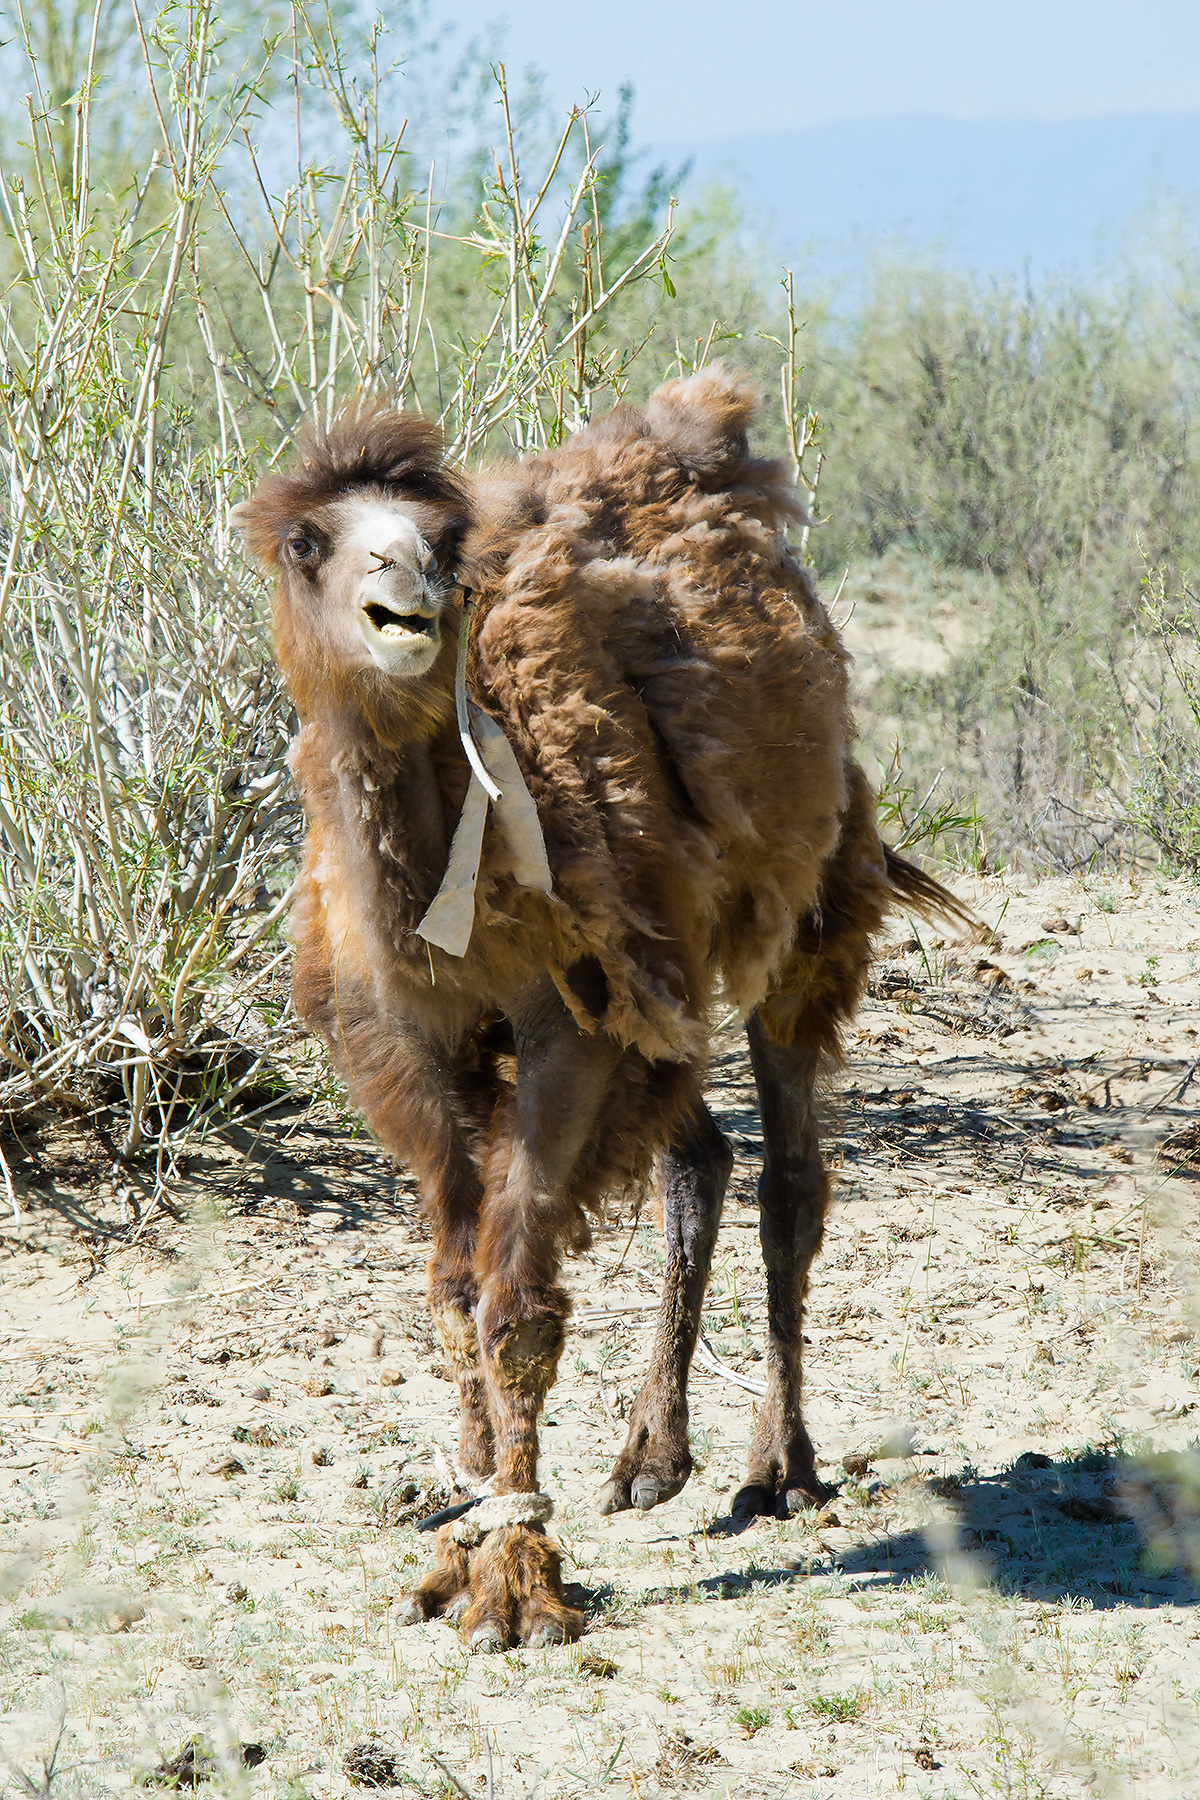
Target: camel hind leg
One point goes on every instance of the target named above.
(792, 1196)
(797, 1028)
(656, 1460)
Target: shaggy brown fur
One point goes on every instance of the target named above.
(676, 698)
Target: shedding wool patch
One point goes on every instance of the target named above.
(662, 701)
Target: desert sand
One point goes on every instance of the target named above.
(221, 1426)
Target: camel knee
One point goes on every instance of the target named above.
(456, 1328)
(526, 1354)
(697, 1173)
(521, 1337)
(795, 1191)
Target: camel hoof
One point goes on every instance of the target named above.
(752, 1502)
(756, 1501)
(457, 1609)
(652, 1473)
(796, 1500)
(646, 1492)
(516, 1592)
(804, 1496)
(547, 1632)
(612, 1498)
(409, 1611)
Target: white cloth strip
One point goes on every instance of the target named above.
(516, 814)
(450, 917)
(500, 1510)
(462, 705)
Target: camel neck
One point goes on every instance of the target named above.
(392, 804)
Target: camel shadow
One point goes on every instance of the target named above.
(1102, 1528)
(909, 1119)
(605, 1604)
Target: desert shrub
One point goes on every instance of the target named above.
(1028, 433)
(1159, 696)
(144, 816)
(1038, 441)
(160, 342)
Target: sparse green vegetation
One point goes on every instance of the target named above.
(841, 1707)
(182, 295)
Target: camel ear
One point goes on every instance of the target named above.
(256, 529)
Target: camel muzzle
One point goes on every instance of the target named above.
(402, 635)
(389, 621)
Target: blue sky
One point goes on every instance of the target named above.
(1036, 134)
(710, 68)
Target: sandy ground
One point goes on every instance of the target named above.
(217, 1434)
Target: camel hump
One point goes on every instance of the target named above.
(702, 420)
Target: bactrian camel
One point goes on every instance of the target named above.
(522, 1003)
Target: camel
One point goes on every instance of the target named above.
(614, 641)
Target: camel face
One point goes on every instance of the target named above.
(383, 577)
(362, 573)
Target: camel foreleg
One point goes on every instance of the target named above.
(514, 1591)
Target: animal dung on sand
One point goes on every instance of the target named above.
(524, 890)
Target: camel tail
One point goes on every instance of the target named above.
(912, 887)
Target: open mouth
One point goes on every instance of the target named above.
(392, 624)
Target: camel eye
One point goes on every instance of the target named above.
(301, 546)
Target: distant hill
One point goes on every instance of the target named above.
(988, 195)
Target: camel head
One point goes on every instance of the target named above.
(365, 536)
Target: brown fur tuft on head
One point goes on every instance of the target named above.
(368, 444)
(702, 419)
